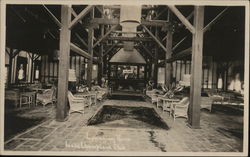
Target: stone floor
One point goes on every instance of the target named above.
(217, 134)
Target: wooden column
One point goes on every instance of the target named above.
(169, 40)
(90, 51)
(105, 65)
(180, 69)
(32, 68)
(62, 101)
(155, 74)
(196, 71)
(90, 61)
(100, 64)
(10, 65)
(149, 67)
(109, 72)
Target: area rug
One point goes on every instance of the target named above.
(128, 117)
(18, 120)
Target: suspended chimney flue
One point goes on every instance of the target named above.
(130, 18)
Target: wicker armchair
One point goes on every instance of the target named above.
(76, 104)
(166, 103)
(47, 96)
(180, 109)
(206, 103)
(101, 93)
(90, 97)
(152, 95)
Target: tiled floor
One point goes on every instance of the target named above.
(75, 135)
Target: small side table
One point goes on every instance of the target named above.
(27, 98)
(168, 104)
(89, 96)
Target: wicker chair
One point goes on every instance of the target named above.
(76, 104)
(152, 94)
(47, 96)
(206, 103)
(101, 93)
(180, 109)
(91, 98)
(166, 103)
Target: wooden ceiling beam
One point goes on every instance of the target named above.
(81, 40)
(178, 44)
(119, 6)
(209, 25)
(79, 51)
(84, 43)
(205, 29)
(121, 32)
(105, 21)
(75, 15)
(102, 38)
(156, 23)
(147, 51)
(180, 55)
(110, 49)
(190, 15)
(122, 38)
(80, 16)
(51, 34)
(100, 9)
(158, 15)
(116, 50)
(182, 18)
(18, 15)
(188, 18)
(155, 38)
(53, 17)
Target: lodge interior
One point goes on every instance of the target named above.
(79, 56)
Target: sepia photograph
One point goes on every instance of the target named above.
(124, 78)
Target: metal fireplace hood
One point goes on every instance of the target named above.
(123, 56)
(129, 20)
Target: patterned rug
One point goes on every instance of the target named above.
(129, 117)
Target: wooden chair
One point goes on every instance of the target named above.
(180, 109)
(76, 104)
